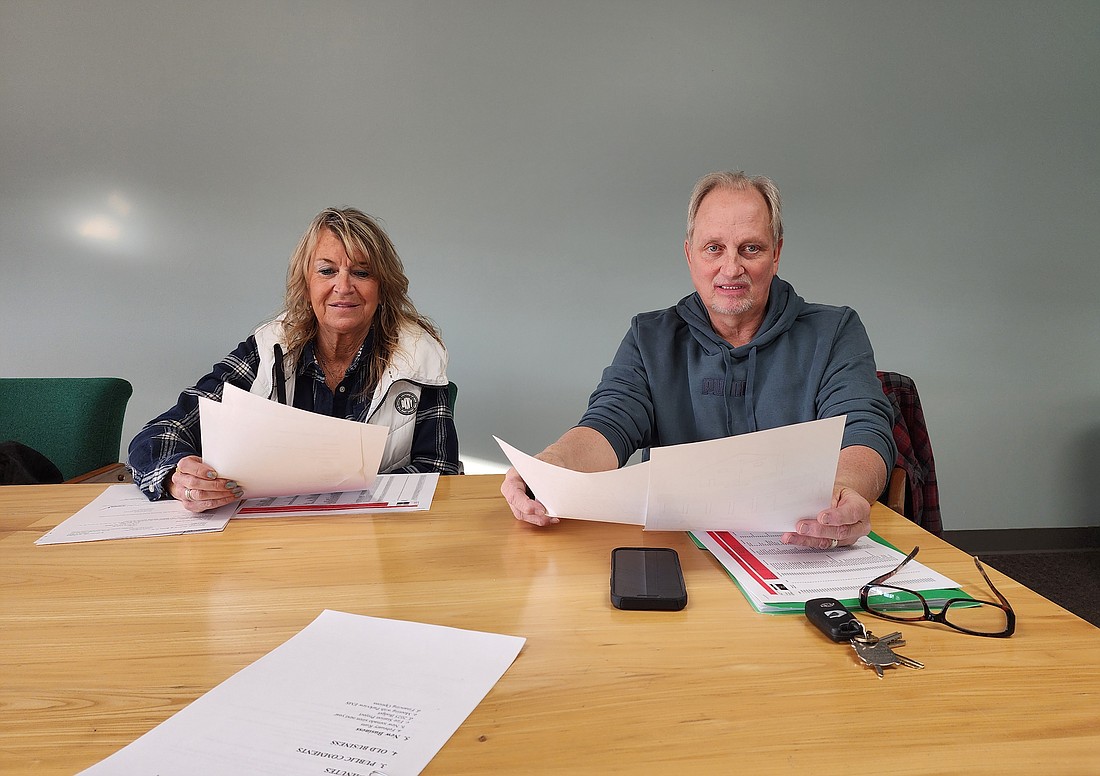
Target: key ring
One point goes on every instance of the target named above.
(865, 636)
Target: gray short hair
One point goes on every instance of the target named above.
(737, 180)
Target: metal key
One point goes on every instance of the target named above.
(879, 653)
(895, 640)
(835, 621)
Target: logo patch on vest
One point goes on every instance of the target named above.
(405, 403)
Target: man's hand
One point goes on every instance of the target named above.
(514, 490)
(580, 449)
(860, 477)
(841, 524)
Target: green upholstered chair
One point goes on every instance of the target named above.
(76, 422)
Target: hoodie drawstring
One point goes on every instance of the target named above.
(750, 386)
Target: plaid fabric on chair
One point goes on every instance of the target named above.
(922, 495)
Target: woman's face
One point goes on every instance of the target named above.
(343, 293)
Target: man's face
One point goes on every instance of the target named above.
(732, 257)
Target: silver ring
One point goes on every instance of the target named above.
(833, 543)
(187, 494)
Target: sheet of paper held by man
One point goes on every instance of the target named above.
(348, 694)
(388, 493)
(123, 512)
(275, 450)
(617, 496)
(764, 481)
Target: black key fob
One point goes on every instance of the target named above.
(830, 616)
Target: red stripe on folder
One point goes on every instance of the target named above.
(745, 559)
(314, 508)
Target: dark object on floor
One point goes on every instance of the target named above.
(1070, 579)
(22, 465)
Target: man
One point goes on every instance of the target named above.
(743, 353)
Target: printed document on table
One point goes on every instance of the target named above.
(776, 576)
(763, 481)
(388, 493)
(271, 449)
(617, 496)
(123, 512)
(348, 694)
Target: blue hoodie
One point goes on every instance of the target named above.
(674, 380)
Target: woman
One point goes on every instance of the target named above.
(349, 344)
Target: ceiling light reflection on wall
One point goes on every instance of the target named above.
(118, 203)
(107, 223)
(100, 229)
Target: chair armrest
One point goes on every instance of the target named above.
(895, 491)
(112, 472)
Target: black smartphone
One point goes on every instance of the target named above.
(647, 578)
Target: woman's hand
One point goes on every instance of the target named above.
(199, 488)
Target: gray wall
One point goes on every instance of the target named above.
(532, 161)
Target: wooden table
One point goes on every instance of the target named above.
(101, 641)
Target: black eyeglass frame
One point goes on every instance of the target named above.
(941, 616)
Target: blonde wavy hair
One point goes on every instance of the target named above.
(369, 245)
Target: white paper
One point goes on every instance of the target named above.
(348, 694)
(770, 572)
(764, 481)
(271, 449)
(617, 496)
(123, 512)
(388, 493)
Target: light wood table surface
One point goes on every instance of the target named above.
(99, 642)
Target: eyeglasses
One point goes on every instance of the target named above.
(969, 615)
